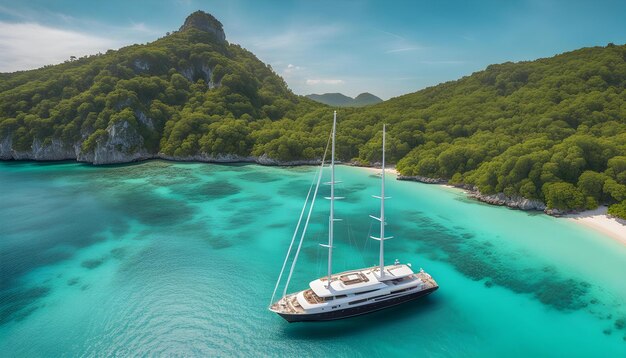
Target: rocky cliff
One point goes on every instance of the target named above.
(203, 21)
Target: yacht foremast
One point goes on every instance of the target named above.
(382, 212)
(331, 219)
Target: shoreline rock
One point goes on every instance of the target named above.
(421, 179)
(516, 202)
(499, 199)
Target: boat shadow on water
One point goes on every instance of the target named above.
(359, 324)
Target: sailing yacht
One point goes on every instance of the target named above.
(355, 292)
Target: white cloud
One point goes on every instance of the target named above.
(313, 82)
(403, 49)
(26, 46)
(291, 69)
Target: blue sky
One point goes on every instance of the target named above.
(388, 48)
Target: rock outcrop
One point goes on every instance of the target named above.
(233, 158)
(501, 199)
(422, 179)
(516, 202)
(203, 21)
(122, 144)
(6, 148)
(49, 150)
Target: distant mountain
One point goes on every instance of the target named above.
(341, 100)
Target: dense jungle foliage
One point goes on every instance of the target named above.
(552, 129)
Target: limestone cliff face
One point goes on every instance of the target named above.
(192, 73)
(122, 144)
(233, 158)
(6, 148)
(516, 202)
(54, 149)
(200, 20)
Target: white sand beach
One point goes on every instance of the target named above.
(599, 220)
(388, 170)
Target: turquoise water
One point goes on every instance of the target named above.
(163, 258)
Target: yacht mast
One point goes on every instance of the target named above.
(382, 212)
(381, 219)
(331, 219)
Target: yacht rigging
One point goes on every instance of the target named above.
(354, 292)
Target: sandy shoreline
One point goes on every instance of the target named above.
(388, 170)
(595, 219)
(598, 220)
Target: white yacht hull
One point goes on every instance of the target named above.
(357, 310)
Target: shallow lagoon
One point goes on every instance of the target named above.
(181, 258)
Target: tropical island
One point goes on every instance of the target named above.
(160, 194)
(549, 133)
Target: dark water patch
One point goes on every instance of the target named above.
(73, 281)
(153, 209)
(353, 192)
(219, 242)
(142, 234)
(167, 181)
(92, 264)
(172, 176)
(84, 287)
(240, 219)
(21, 315)
(234, 167)
(119, 227)
(479, 260)
(22, 260)
(118, 253)
(207, 191)
(259, 177)
(296, 188)
(620, 323)
(277, 225)
(253, 198)
(216, 241)
(242, 216)
(189, 229)
(19, 303)
(562, 294)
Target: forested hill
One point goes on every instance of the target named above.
(552, 129)
(187, 93)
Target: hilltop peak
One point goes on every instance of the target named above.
(204, 21)
(341, 100)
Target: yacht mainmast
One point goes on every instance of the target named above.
(331, 218)
(382, 198)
